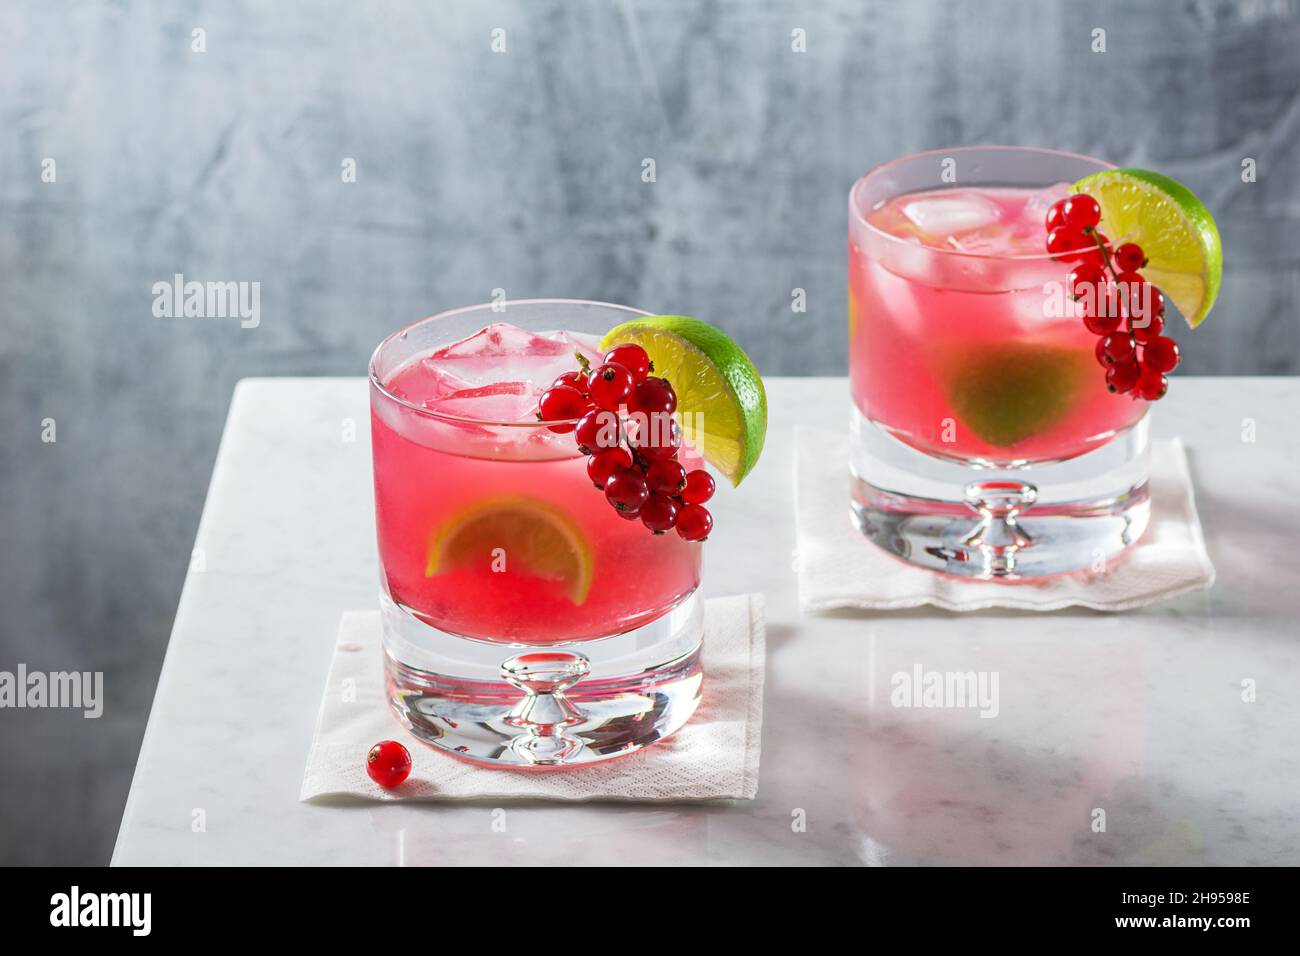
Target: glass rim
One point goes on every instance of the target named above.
(889, 237)
(389, 395)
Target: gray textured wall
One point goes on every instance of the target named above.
(479, 170)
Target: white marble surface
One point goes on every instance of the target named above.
(1140, 714)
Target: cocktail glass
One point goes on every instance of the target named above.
(984, 442)
(525, 622)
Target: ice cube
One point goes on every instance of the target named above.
(497, 374)
(1035, 211)
(586, 343)
(498, 402)
(505, 353)
(499, 340)
(942, 216)
(999, 240)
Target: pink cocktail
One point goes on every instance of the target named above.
(569, 569)
(494, 544)
(975, 383)
(958, 369)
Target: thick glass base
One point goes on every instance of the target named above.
(1009, 523)
(541, 707)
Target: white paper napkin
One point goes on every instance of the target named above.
(714, 756)
(839, 568)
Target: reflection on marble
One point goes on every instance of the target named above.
(1139, 716)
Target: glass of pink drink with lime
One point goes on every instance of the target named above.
(526, 621)
(984, 443)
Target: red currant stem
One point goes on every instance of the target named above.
(583, 364)
(1105, 255)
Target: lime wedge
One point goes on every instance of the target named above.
(1175, 230)
(1012, 391)
(527, 534)
(720, 397)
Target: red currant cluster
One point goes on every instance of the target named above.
(622, 417)
(1117, 303)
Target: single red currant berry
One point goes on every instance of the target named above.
(659, 513)
(602, 465)
(1117, 348)
(699, 487)
(1123, 376)
(1102, 323)
(1155, 300)
(667, 449)
(1160, 354)
(1152, 385)
(631, 357)
(1130, 286)
(653, 396)
(1144, 329)
(1081, 211)
(1129, 257)
(561, 403)
(388, 763)
(609, 385)
(662, 438)
(1056, 215)
(1099, 350)
(574, 379)
(1099, 309)
(694, 522)
(1063, 241)
(627, 491)
(1144, 299)
(667, 477)
(1085, 279)
(597, 430)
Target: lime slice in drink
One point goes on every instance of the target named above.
(529, 535)
(1174, 229)
(720, 397)
(1012, 391)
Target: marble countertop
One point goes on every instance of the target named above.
(1141, 715)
